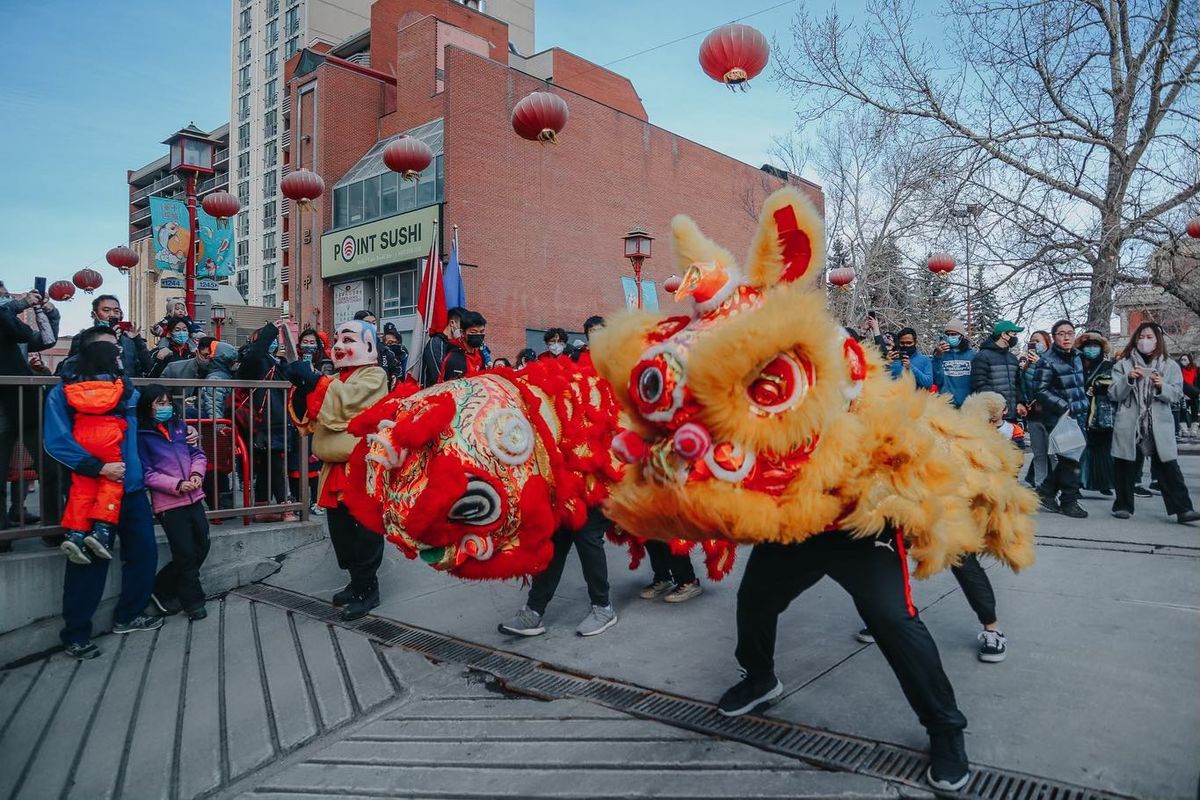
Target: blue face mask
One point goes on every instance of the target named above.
(1039, 347)
(179, 337)
(1092, 351)
(163, 413)
(954, 340)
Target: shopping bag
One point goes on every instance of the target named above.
(1067, 439)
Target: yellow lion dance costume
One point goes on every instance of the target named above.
(757, 418)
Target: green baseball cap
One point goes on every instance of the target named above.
(1006, 326)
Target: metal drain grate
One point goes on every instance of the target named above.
(830, 750)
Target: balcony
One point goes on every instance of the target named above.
(272, 98)
(140, 216)
(285, 141)
(138, 235)
(222, 157)
(362, 59)
(162, 183)
(286, 108)
(243, 114)
(285, 240)
(243, 86)
(271, 39)
(272, 8)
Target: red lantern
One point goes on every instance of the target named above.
(122, 257)
(221, 205)
(941, 264)
(841, 277)
(733, 54)
(88, 279)
(408, 156)
(302, 186)
(540, 117)
(1193, 228)
(61, 290)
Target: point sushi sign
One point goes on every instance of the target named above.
(384, 242)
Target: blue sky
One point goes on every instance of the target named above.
(91, 89)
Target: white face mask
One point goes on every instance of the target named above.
(557, 348)
(1147, 346)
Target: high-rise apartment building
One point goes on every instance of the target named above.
(264, 35)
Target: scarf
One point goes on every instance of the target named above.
(1143, 394)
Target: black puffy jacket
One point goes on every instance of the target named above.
(1058, 385)
(995, 369)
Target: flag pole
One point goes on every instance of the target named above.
(425, 311)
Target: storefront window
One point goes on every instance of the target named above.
(341, 207)
(385, 195)
(389, 190)
(371, 198)
(356, 204)
(400, 293)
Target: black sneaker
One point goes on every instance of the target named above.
(749, 694)
(1073, 510)
(948, 768)
(344, 596)
(165, 604)
(993, 646)
(864, 636)
(1142, 491)
(82, 651)
(141, 622)
(1154, 487)
(196, 614)
(1106, 492)
(1047, 504)
(360, 605)
(1184, 517)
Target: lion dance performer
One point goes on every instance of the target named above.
(324, 405)
(757, 418)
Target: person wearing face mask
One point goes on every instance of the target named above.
(83, 584)
(465, 356)
(178, 347)
(433, 355)
(264, 412)
(1058, 386)
(135, 353)
(1145, 383)
(396, 366)
(952, 360)
(1189, 422)
(174, 472)
(323, 406)
(1097, 465)
(906, 360)
(312, 349)
(556, 343)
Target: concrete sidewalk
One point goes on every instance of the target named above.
(1100, 688)
(259, 702)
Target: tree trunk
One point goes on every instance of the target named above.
(1104, 275)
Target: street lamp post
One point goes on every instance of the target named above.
(218, 317)
(966, 214)
(637, 250)
(192, 154)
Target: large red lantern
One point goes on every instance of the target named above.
(408, 156)
(1193, 227)
(941, 264)
(302, 186)
(88, 279)
(122, 257)
(221, 205)
(733, 54)
(841, 277)
(540, 117)
(61, 290)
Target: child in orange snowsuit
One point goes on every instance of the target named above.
(94, 503)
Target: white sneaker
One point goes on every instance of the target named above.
(527, 622)
(993, 647)
(316, 511)
(598, 620)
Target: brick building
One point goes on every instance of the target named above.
(540, 226)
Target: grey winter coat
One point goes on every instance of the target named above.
(1162, 421)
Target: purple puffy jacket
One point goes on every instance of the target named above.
(167, 459)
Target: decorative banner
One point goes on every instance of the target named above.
(169, 223)
(649, 294)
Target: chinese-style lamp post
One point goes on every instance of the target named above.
(637, 250)
(192, 154)
(218, 317)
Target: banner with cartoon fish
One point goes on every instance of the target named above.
(169, 225)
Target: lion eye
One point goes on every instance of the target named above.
(650, 384)
(780, 384)
(479, 504)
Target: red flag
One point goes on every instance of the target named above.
(432, 300)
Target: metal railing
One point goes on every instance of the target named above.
(258, 465)
(158, 185)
